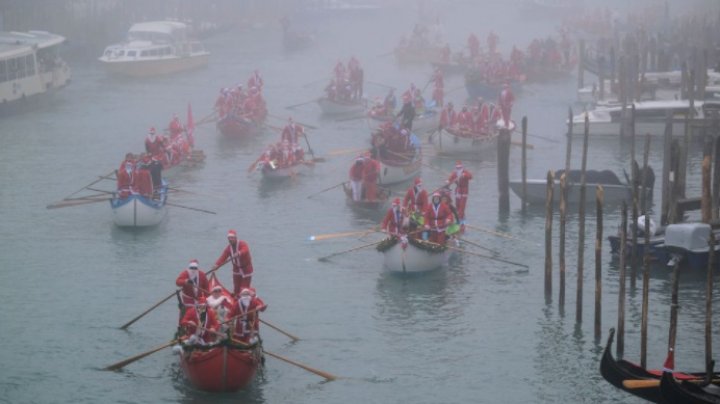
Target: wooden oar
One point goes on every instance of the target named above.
(340, 152)
(478, 246)
(308, 145)
(326, 189)
(276, 328)
(351, 118)
(190, 208)
(496, 233)
(123, 363)
(650, 383)
(476, 254)
(102, 177)
(326, 375)
(321, 237)
(519, 144)
(75, 202)
(129, 323)
(327, 257)
(207, 119)
(301, 104)
(299, 123)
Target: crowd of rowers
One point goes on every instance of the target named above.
(288, 151)
(479, 118)
(347, 83)
(412, 96)
(237, 102)
(142, 174)
(209, 316)
(419, 218)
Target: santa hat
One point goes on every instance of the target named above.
(436, 193)
(193, 264)
(152, 130)
(418, 181)
(458, 164)
(669, 364)
(246, 292)
(396, 202)
(217, 288)
(232, 234)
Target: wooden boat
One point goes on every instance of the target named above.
(338, 107)
(378, 205)
(394, 171)
(476, 86)
(423, 123)
(271, 171)
(155, 48)
(451, 141)
(223, 367)
(615, 191)
(686, 392)
(239, 126)
(408, 255)
(616, 371)
(408, 55)
(139, 211)
(689, 243)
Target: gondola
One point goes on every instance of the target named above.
(686, 392)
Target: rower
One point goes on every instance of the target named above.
(193, 284)
(437, 217)
(393, 221)
(238, 252)
(356, 178)
(247, 320)
(221, 305)
(199, 325)
(461, 178)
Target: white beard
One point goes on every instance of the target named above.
(245, 301)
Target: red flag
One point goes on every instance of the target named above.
(190, 126)
(669, 364)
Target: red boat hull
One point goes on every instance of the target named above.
(221, 369)
(238, 127)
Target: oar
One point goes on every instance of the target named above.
(340, 152)
(326, 189)
(518, 143)
(292, 337)
(102, 177)
(321, 237)
(351, 118)
(308, 145)
(299, 123)
(207, 119)
(129, 323)
(326, 375)
(190, 208)
(380, 84)
(123, 363)
(540, 137)
(650, 383)
(478, 245)
(327, 257)
(476, 254)
(301, 104)
(75, 202)
(495, 233)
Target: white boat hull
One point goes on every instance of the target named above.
(330, 107)
(537, 192)
(155, 67)
(393, 174)
(449, 144)
(285, 172)
(612, 129)
(136, 211)
(412, 259)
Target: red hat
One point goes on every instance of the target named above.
(232, 234)
(246, 291)
(193, 264)
(216, 287)
(436, 193)
(458, 164)
(396, 202)
(418, 181)
(152, 129)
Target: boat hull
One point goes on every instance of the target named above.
(138, 211)
(612, 129)
(411, 259)
(221, 369)
(537, 189)
(331, 107)
(445, 142)
(488, 91)
(394, 174)
(234, 126)
(156, 67)
(674, 391)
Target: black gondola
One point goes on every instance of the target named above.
(685, 392)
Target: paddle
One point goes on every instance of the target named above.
(292, 337)
(301, 104)
(103, 177)
(190, 208)
(207, 119)
(75, 202)
(123, 363)
(476, 254)
(327, 257)
(321, 237)
(308, 145)
(650, 383)
(129, 323)
(326, 189)
(326, 375)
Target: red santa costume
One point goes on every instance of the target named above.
(142, 180)
(200, 324)
(506, 103)
(175, 126)
(151, 145)
(437, 217)
(356, 178)
(221, 305)
(416, 198)
(292, 132)
(393, 221)
(371, 173)
(448, 116)
(125, 178)
(238, 252)
(193, 282)
(461, 178)
(438, 96)
(245, 312)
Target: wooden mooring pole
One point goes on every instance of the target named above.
(523, 167)
(599, 195)
(581, 220)
(646, 259)
(705, 201)
(548, 235)
(716, 177)
(581, 65)
(708, 305)
(621, 291)
(561, 252)
(503, 170)
(634, 188)
(666, 170)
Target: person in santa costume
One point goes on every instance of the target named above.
(199, 325)
(370, 176)
(416, 198)
(506, 101)
(392, 223)
(461, 178)
(221, 305)
(238, 252)
(356, 178)
(437, 217)
(193, 283)
(125, 176)
(175, 126)
(247, 319)
(151, 145)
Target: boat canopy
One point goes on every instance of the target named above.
(606, 177)
(158, 31)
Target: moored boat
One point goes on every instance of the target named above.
(139, 211)
(155, 48)
(687, 392)
(339, 107)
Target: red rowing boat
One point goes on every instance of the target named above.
(223, 367)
